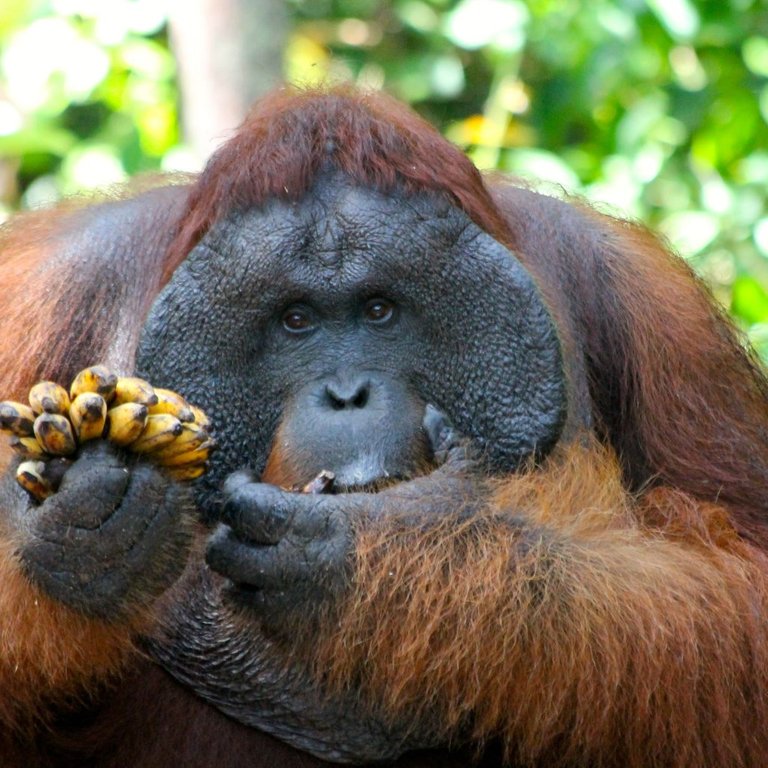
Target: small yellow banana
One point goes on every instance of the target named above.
(132, 389)
(188, 472)
(49, 397)
(190, 438)
(28, 447)
(98, 379)
(160, 430)
(197, 455)
(159, 423)
(200, 418)
(30, 476)
(126, 423)
(88, 414)
(16, 418)
(173, 403)
(54, 432)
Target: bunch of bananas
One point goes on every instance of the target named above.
(126, 411)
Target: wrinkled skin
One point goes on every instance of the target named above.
(350, 332)
(114, 536)
(216, 331)
(287, 552)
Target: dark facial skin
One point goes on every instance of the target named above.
(353, 332)
(363, 424)
(407, 296)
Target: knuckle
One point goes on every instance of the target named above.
(216, 550)
(236, 481)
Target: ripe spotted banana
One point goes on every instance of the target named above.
(30, 475)
(126, 423)
(88, 414)
(17, 418)
(28, 447)
(132, 389)
(175, 405)
(98, 379)
(161, 430)
(41, 478)
(54, 432)
(126, 411)
(49, 397)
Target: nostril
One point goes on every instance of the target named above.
(361, 398)
(355, 395)
(337, 402)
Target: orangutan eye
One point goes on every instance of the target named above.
(378, 311)
(297, 320)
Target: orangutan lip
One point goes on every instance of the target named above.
(363, 472)
(373, 486)
(323, 482)
(326, 484)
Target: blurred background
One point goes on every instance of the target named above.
(657, 109)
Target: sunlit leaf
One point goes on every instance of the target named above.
(475, 23)
(755, 54)
(12, 14)
(37, 139)
(653, 108)
(92, 166)
(749, 300)
(307, 62)
(542, 165)
(690, 231)
(680, 17)
(761, 235)
(758, 338)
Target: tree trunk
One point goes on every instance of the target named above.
(229, 53)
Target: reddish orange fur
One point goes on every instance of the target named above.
(700, 410)
(46, 651)
(584, 635)
(49, 653)
(279, 469)
(291, 134)
(91, 270)
(673, 387)
(27, 317)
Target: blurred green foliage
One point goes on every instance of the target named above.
(653, 108)
(657, 109)
(87, 95)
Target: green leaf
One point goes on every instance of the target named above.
(37, 139)
(749, 300)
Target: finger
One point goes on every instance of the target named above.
(442, 436)
(264, 514)
(95, 453)
(237, 479)
(258, 566)
(98, 489)
(147, 495)
(258, 513)
(449, 447)
(113, 522)
(452, 451)
(53, 470)
(459, 457)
